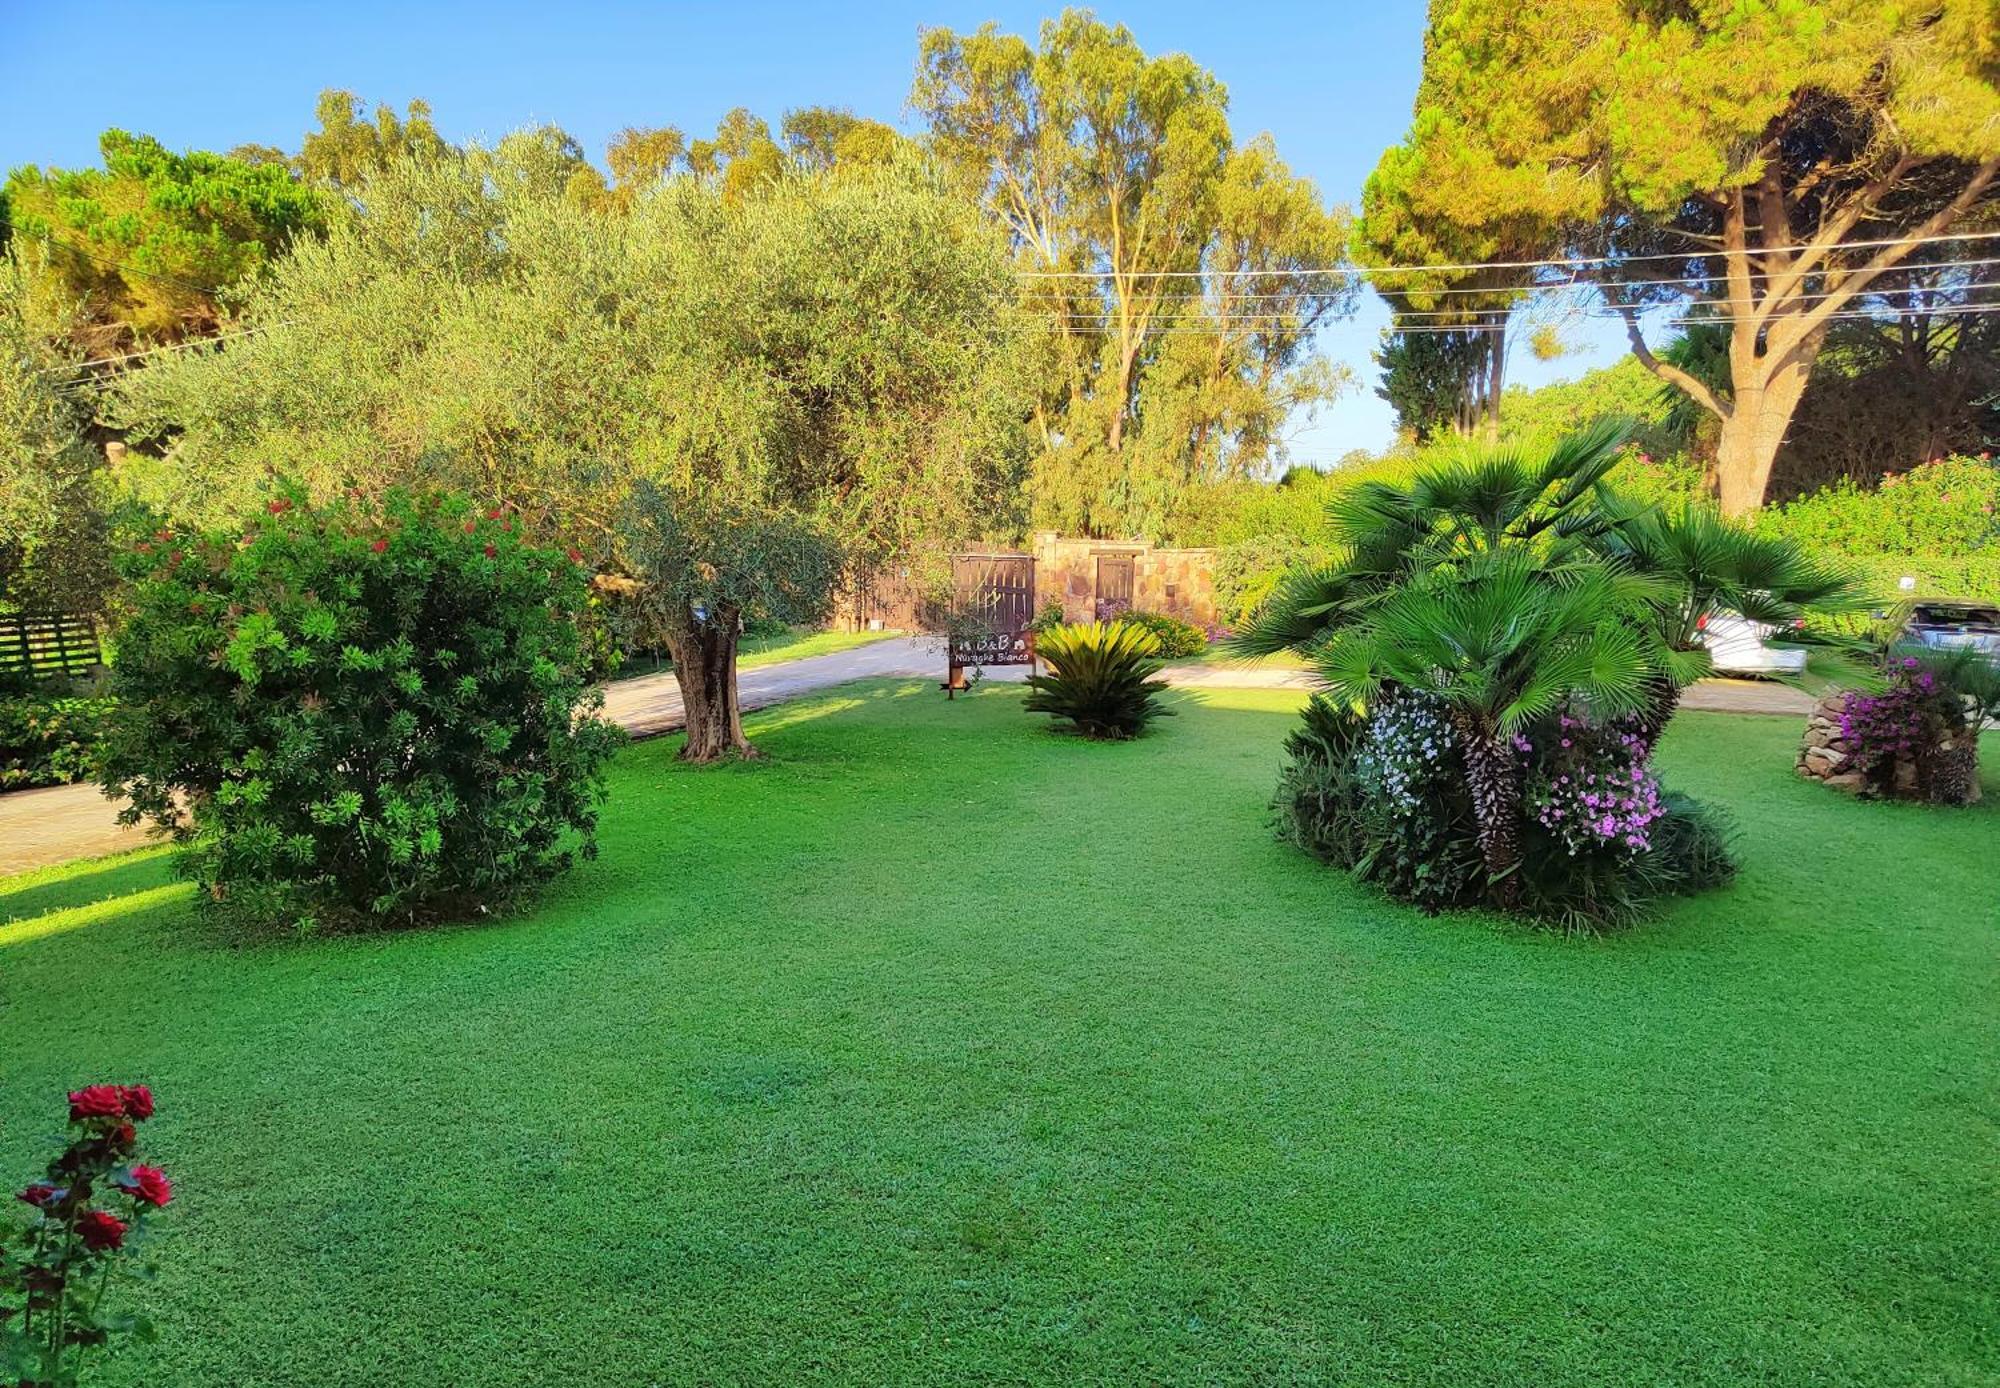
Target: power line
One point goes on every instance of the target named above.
(1592, 286)
(123, 267)
(1561, 263)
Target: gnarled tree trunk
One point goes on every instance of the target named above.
(705, 668)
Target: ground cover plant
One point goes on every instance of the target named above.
(369, 712)
(863, 1064)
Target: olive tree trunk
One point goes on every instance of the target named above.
(705, 668)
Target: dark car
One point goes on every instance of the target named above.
(1956, 623)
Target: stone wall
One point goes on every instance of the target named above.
(1949, 774)
(1178, 582)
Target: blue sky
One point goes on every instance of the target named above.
(1333, 82)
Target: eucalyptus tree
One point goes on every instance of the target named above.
(1177, 276)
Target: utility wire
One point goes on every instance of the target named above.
(1568, 262)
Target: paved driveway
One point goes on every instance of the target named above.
(40, 827)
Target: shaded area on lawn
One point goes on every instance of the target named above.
(939, 1048)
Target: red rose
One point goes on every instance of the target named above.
(41, 1195)
(101, 1230)
(279, 507)
(575, 557)
(468, 527)
(138, 1102)
(379, 546)
(493, 514)
(148, 1185)
(490, 551)
(97, 1101)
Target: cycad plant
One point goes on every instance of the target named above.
(1100, 679)
(1500, 638)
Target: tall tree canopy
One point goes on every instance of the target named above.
(734, 396)
(53, 551)
(350, 145)
(150, 242)
(1178, 277)
(1752, 154)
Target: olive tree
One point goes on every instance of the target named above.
(830, 391)
(727, 402)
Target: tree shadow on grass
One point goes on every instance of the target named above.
(82, 884)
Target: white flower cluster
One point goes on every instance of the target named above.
(1408, 736)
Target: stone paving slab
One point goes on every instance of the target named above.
(55, 825)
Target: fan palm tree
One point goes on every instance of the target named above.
(1708, 566)
(1478, 499)
(1501, 638)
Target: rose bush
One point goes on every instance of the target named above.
(57, 1272)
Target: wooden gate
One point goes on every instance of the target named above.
(1114, 585)
(47, 646)
(993, 600)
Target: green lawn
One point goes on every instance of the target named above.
(938, 1049)
(795, 643)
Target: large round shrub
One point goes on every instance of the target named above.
(370, 711)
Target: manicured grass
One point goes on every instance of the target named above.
(938, 1049)
(794, 644)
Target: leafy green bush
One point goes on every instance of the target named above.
(1947, 509)
(1383, 794)
(1177, 639)
(49, 738)
(368, 712)
(1100, 679)
(1047, 619)
(1249, 571)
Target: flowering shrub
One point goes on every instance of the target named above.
(88, 1222)
(372, 711)
(1893, 739)
(1383, 794)
(1947, 507)
(49, 739)
(1408, 748)
(1592, 787)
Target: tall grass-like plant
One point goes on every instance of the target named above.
(1100, 679)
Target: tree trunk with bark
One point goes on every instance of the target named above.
(1784, 285)
(1663, 699)
(705, 668)
(1493, 776)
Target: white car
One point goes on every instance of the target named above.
(1738, 646)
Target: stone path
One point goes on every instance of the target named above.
(55, 825)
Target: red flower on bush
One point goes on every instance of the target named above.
(41, 1195)
(279, 507)
(575, 557)
(493, 514)
(101, 1230)
(138, 1102)
(379, 546)
(148, 1185)
(490, 551)
(98, 1101)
